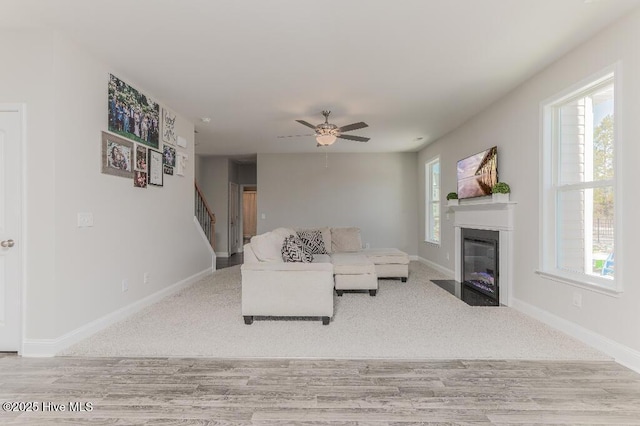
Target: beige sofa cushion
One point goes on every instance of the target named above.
(386, 256)
(345, 240)
(351, 264)
(268, 247)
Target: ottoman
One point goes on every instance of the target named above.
(354, 271)
(389, 262)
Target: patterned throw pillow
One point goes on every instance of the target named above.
(312, 240)
(293, 250)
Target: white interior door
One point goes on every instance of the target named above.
(10, 203)
(234, 218)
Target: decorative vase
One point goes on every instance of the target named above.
(452, 203)
(500, 198)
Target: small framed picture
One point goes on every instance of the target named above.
(139, 179)
(155, 168)
(117, 156)
(168, 126)
(168, 170)
(141, 158)
(169, 156)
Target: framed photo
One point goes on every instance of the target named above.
(169, 156)
(155, 168)
(181, 163)
(132, 114)
(168, 127)
(141, 158)
(140, 179)
(117, 156)
(168, 170)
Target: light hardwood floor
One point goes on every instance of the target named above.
(160, 391)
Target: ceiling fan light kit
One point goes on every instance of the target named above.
(327, 133)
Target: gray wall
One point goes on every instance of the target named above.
(213, 173)
(513, 124)
(375, 192)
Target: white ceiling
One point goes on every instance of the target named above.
(410, 69)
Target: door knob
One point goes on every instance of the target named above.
(7, 243)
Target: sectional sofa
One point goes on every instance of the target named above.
(273, 287)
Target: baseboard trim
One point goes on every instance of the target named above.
(50, 347)
(622, 354)
(439, 268)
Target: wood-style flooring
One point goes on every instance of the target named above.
(160, 391)
(226, 262)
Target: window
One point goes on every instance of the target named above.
(578, 207)
(432, 198)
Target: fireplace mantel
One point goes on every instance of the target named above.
(498, 216)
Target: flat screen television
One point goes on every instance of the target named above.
(477, 174)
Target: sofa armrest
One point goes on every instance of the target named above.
(287, 266)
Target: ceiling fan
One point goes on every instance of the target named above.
(326, 133)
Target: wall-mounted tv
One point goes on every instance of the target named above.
(478, 173)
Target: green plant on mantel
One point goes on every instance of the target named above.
(501, 188)
(452, 196)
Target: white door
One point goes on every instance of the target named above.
(10, 273)
(234, 218)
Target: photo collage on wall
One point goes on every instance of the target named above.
(132, 148)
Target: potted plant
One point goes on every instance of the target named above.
(452, 199)
(500, 192)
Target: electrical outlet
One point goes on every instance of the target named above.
(447, 255)
(367, 245)
(125, 285)
(577, 300)
(145, 277)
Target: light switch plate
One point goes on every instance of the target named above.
(85, 220)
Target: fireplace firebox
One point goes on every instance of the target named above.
(480, 263)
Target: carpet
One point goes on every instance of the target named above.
(412, 320)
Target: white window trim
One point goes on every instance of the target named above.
(428, 200)
(547, 250)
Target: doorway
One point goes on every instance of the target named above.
(234, 218)
(249, 212)
(11, 142)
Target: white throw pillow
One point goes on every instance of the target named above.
(345, 239)
(268, 247)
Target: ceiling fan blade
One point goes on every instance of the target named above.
(354, 138)
(295, 136)
(354, 126)
(304, 123)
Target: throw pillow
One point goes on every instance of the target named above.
(267, 247)
(312, 240)
(293, 250)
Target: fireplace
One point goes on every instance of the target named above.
(498, 219)
(480, 264)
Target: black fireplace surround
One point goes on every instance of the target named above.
(480, 275)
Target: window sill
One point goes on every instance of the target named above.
(596, 288)
(432, 243)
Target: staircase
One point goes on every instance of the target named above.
(205, 217)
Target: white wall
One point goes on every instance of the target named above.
(74, 274)
(375, 192)
(513, 124)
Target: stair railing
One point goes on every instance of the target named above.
(205, 217)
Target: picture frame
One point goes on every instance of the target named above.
(139, 179)
(168, 170)
(181, 163)
(169, 156)
(156, 175)
(141, 158)
(169, 126)
(132, 114)
(117, 156)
